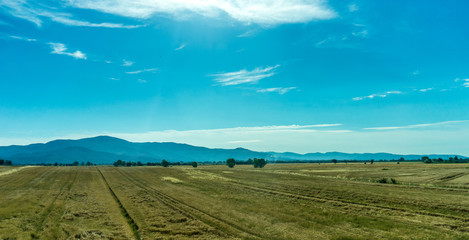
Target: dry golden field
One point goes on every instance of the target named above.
(280, 201)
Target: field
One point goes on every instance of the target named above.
(280, 201)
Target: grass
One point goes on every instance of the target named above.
(281, 201)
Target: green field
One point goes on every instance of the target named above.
(280, 201)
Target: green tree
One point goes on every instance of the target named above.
(334, 161)
(164, 163)
(426, 159)
(230, 162)
(259, 162)
(194, 164)
(2, 162)
(372, 161)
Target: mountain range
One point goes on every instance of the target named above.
(106, 150)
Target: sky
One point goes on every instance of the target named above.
(268, 75)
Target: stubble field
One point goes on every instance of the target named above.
(280, 201)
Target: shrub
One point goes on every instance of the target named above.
(383, 180)
(194, 164)
(393, 181)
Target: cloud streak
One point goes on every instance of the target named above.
(36, 13)
(279, 90)
(376, 95)
(61, 49)
(419, 125)
(244, 76)
(266, 12)
(180, 47)
(141, 71)
(127, 63)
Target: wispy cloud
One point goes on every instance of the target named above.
(465, 81)
(126, 63)
(416, 72)
(419, 125)
(142, 80)
(248, 33)
(353, 7)
(269, 12)
(279, 90)
(376, 95)
(24, 38)
(141, 71)
(244, 76)
(425, 89)
(60, 48)
(114, 79)
(180, 47)
(35, 13)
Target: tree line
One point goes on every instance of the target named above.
(256, 162)
(5, 162)
(426, 159)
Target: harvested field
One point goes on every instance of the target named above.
(281, 201)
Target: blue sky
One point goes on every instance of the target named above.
(297, 75)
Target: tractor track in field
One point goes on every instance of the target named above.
(193, 212)
(130, 221)
(344, 203)
(65, 189)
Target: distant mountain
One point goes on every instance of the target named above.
(106, 150)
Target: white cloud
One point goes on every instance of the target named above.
(269, 12)
(126, 63)
(353, 7)
(419, 125)
(376, 95)
(142, 81)
(362, 33)
(35, 13)
(416, 72)
(180, 47)
(114, 79)
(278, 90)
(59, 48)
(248, 33)
(107, 61)
(244, 76)
(24, 38)
(425, 89)
(464, 80)
(140, 71)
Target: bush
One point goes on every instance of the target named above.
(164, 163)
(194, 164)
(383, 180)
(393, 181)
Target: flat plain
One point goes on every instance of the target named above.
(280, 201)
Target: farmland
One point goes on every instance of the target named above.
(280, 201)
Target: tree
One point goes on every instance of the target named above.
(426, 159)
(56, 164)
(194, 164)
(230, 162)
(259, 162)
(139, 163)
(334, 161)
(164, 163)
(401, 159)
(372, 161)
(2, 162)
(75, 163)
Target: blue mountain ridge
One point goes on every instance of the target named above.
(106, 150)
